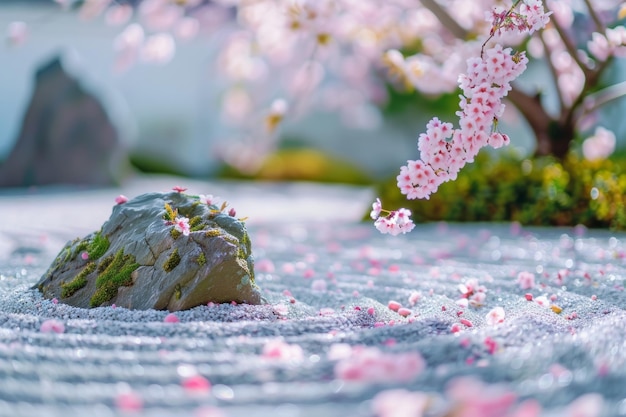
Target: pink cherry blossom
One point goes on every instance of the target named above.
(376, 209)
(118, 14)
(158, 49)
(466, 323)
(400, 403)
(264, 265)
(398, 221)
(278, 349)
(182, 225)
(495, 316)
(171, 318)
(319, 285)
(369, 364)
(339, 351)
(474, 398)
(472, 293)
(599, 146)
(207, 199)
(491, 345)
(588, 405)
(52, 326)
(16, 33)
(127, 46)
(404, 312)
(129, 401)
(543, 301)
(394, 305)
(196, 384)
(445, 150)
(526, 280)
(414, 297)
(179, 189)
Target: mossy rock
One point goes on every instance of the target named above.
(136, 260)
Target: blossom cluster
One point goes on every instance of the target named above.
(391, 222)
(530, 18)
(444, 150)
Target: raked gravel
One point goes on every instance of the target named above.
(320, 277)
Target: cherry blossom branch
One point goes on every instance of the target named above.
(500, 22)
(444, 150)
(594, 101)
(570, 47)
(553, 71)
(590, 81)
(594, 16)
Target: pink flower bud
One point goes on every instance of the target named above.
(121, 199)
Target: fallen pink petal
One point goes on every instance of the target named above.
(196, 384)
(52, 326)
(171, 318)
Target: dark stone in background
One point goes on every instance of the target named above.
(66, 137)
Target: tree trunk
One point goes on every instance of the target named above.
(552, 135)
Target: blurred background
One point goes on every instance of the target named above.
(177, 106)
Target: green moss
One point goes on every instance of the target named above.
(116, 275)
(244, 247)
(67, 254)
(245, 239)
(178, 291)
(213, 233)
(231, 239)
(170, 213)
(104, 264)
(68, 289)
(195, 224)
(175, 233)
(201, 259)
(173, 261)
(98, 246)
(81, 247)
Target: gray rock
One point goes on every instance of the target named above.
(66, 137)
(139, 259)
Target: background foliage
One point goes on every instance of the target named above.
(536, 191)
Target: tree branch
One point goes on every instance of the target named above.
(595, 17)
(553, 71)
(571, 48)
(448, 22)
(536, 116)
(596, 100)
(591, 80)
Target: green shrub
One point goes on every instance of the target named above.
(536, 191)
